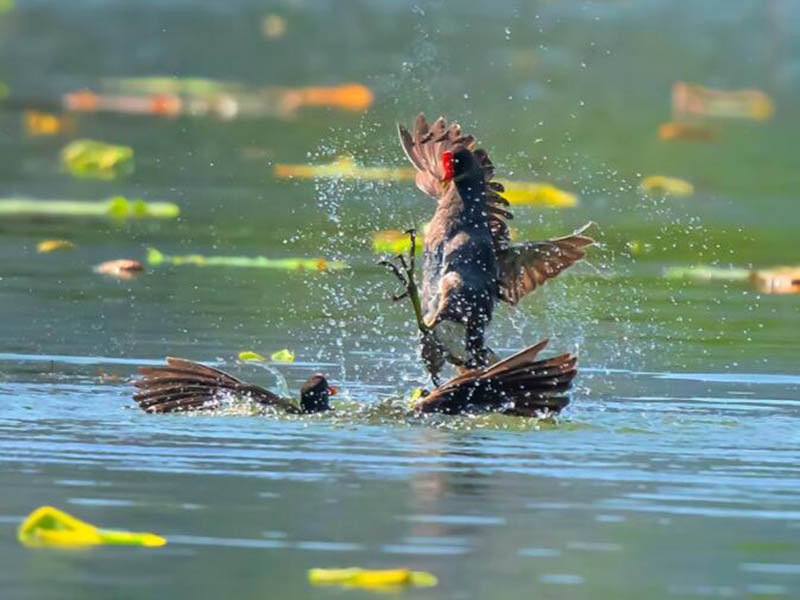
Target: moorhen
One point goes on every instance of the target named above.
(183, 385)
(519, 385)
(468, 262)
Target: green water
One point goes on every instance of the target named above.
(674, 472)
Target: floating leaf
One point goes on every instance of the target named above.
(667, 185)
(252, 356)
(706, 273)
(517, 192)
(49, 526)
(355, 577)
(117, 207)
(155, 257)
(97, 160)
(342, 168)
(533, 193)
(689, 131)
(200, 97)
(350, 96)
(778, 280)
(775, 280)
(695, 100)
(51, 245)
(123, 268)
(394, 242)
(282, 356)
(273, 26)
(41, 123)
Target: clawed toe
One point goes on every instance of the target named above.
(401, 277)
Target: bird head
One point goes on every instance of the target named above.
(458, 164)
(315, 394)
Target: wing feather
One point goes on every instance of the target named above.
(518, 385)
(524, 267)
(183, 385)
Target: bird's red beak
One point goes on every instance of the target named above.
(447, 167)
(332, 390)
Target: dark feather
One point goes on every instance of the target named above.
(520, 384)
(524, 267)
(182, 385)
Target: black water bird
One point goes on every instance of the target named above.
(469, 263)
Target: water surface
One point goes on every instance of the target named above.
(673, 474)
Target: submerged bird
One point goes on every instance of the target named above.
(469, 263)
(183, 385)
(519, 385)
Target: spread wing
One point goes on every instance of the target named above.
(183, 385)
(524, 267)
(519, 385)
(424, 147)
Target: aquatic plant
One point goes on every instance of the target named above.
(118, 207)
(97, 160)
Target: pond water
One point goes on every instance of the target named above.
(674, 473)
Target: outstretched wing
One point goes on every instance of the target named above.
(183, 385)
(424, 147)
(519, 385)
(524, 267)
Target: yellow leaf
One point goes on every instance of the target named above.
(98, 160)
(690, 131)
(49, 526)
(394, 242)
(250, 355)
(41, 123)
(667, 185)
(50, 245)
(535, 193)
(371, 579)
(282, 356)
